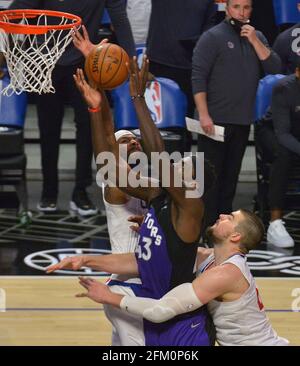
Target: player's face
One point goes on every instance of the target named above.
(132, 143)
(239, 9)
(226, 225)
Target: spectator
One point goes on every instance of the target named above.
(280, 142)
(227, 66)
(173, 32)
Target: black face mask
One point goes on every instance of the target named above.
(237, 24)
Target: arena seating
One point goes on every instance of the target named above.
(12, 156)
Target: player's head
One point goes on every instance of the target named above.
(129, 139)
(239, 9)
(241, 228)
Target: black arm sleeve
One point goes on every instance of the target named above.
(210, 16)
(26, 4)
(117, 12)
(282, 122)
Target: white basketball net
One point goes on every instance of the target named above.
(31, 58)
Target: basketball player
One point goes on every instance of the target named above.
(224, 282)
(169, 235)
(127, 330)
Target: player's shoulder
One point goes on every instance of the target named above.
(226, 274)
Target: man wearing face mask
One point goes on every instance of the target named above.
(228, 61)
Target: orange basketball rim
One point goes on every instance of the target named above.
(32, 50)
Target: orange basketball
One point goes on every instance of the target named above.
(106, 65)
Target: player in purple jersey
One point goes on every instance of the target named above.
(169, 233)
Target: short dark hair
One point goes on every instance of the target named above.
(228, 2)
(252, 230)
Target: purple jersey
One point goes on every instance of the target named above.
(164, 262)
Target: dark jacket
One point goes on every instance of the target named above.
(91, 13)
(285, 108)
(227, 68)
(285, 45)
(175, 26)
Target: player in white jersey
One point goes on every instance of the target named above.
(127, 329)
(224, 283)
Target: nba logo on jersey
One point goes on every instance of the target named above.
(154, 101)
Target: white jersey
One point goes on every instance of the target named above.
(242, 322)
(127, 330)
(122, 238)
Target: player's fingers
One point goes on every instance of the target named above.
(86, 280)
(84, 284)
(144, 71)
(136, 218)
(81, 295)
(51, 269)
(105, 40)
(85, 33)
(135, 228)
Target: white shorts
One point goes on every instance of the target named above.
(128, 329)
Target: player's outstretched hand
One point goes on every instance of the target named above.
(91, 95)
(82, 41)
(72, 263)
(96, 291)
(138, 78)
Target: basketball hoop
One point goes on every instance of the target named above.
(32, 50)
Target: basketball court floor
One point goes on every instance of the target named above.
(43, 310)
(38, 309)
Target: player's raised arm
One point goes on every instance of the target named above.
(153, 142)
(104, 140)
(138, 78)
(102, 134)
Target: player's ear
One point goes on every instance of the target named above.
(235, 237)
